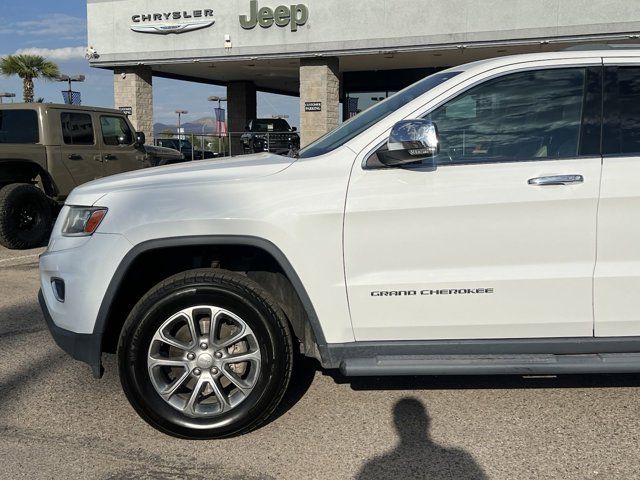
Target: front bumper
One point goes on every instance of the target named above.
(85, 347)
(87, 266)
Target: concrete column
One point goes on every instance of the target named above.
(319, 84)
(133, 87)
(242, 106)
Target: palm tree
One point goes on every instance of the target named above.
(28, 68)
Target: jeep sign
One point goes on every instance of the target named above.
(296, 16)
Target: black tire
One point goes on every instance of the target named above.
(25, 216)
(236, 293)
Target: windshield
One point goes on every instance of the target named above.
(361, 122)
(268, 125)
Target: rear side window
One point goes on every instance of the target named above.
(115, 131)
(77, 129)
(19, 126)
(622, 111)
(535, 115)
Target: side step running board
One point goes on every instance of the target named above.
(491, 364)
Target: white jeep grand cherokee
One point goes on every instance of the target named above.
(482, 221)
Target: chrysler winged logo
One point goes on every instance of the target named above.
(164, 23)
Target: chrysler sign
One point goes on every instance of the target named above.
(172, 22)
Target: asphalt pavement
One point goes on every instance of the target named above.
(56, 421)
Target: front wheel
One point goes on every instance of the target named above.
(205, 354)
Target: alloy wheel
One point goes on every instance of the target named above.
(204, 361)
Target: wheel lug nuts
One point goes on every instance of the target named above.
(214, 371)
(204, 345)
(197, 372)
(218, 354)
(191, 356)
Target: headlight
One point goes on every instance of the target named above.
(82, 221)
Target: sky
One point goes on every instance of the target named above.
(57, 30)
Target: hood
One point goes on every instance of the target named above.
(202, 171)
(162, 152)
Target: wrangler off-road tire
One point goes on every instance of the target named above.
(25, 216)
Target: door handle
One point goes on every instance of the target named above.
(74, 156)
(556, 180)
(108, 157)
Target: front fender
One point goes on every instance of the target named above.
(124, 267)
(26, 171)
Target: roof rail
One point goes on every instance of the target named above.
(602, 46)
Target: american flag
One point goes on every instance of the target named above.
(352, 106)
(221, 124)
(71, 98)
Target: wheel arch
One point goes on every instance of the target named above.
(258, 258)
(26, 171)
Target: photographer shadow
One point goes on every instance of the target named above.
(417, 456)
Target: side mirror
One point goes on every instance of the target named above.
(410, 141)
(140, 138)
(294, 129)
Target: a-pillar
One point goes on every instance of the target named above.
(319, 97)
(242, 106)
(133, 88)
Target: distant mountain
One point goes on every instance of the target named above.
(205, 125)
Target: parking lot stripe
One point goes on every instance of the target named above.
(19, 258)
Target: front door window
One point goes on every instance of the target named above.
(115, 131)
(524, 116)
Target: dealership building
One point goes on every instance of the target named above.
(338, 56)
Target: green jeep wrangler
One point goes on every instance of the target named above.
(47, 150)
